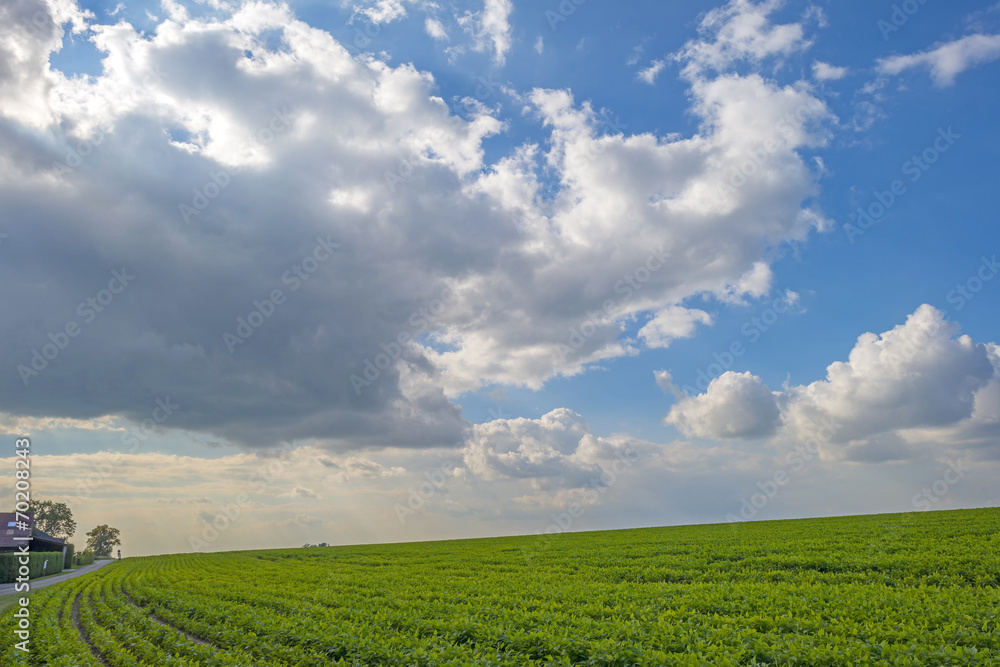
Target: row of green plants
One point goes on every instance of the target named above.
(912, 589)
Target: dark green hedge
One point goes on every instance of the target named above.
(37, 566)
(68, 558)
(85, 558)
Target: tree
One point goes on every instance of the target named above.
(102, 540)
(53, 518)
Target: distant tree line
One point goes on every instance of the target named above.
(56, 519)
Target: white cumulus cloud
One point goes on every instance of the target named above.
(735, 405)
(899, 386)
(237, 113)
(490, 28)
(741, 31)
(920, 373)
(649, 74)
(826, 72)
(671, 323)
(435, 29)
(946, 61)
(558, 447)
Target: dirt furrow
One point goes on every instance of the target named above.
(83, 634)
(168, 624)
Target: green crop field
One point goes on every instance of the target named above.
(903, 589)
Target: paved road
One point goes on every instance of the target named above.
(7, 589)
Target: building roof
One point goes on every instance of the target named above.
(10, 531)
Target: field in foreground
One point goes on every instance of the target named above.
(902, 589)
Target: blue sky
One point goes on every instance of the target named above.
(528, 158)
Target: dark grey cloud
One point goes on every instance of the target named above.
(216, 164)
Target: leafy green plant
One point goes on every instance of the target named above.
(917, 589)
